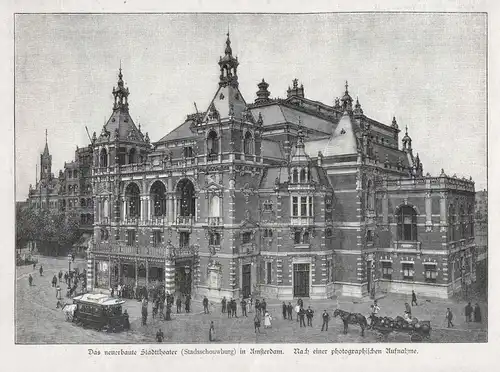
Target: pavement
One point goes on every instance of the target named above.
(39, 322)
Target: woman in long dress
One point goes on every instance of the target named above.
(211, 332)
(267, 320)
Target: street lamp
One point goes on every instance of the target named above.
(69, 263)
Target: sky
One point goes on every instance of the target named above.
(428, 70)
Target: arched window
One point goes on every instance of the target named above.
(295, 178)
(103, 158)
(451, 222)
(105, 209)
(302, 175)
(132, 158)
(158, 198)
(214, 209)
(407, 224)
(248, 144)
(212, 144)
(305, 237)
(186, 199)
(133, 200)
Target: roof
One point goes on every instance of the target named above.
(121, 122)
(182, 131)
(98, 299)
(226, 98)
(271, 149)
(343, 141)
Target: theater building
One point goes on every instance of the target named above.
(279, 198)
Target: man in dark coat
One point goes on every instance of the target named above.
(243, 305)
(60, 275)
(289, 310)
(30, 280)
(223, 302)
(205, 305)
(230, 308)
(187, 304)
(234, 307)
(126, 321)
(309, 314)
(413, 298)
(159, 336)
(477, 313)
(326, 318)
(144, 311)
(257, 305)
(283, 310)
(54, 281)
(302, 314)
(468, 312)
(41, 270)
(263, 305)
(179, 304)
(449, 318)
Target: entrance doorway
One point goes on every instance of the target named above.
(301, 280)
(183, 277)
(246, 275)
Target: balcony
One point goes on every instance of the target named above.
(407, 246)
(302, 247)
(131, 221)
(157, 221)
(301, 221)
(130, 250)
(247, 248)
(103, 221)
(184, 221)
(214, 221)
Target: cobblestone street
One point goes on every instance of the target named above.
(39, 322)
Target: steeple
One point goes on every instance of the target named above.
(120, 93)
(407, 141)
(262, 93)
(46, 149)
(228, 66)
(346, 99)
(45, 161)
(358, 111)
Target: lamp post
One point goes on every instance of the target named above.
(69, 263)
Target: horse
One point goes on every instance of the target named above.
(352, 318)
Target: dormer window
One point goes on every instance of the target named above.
(295, 177)
(302, 175)
(248, 144)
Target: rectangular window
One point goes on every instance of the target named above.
(408, 271)
(156, 238)
(430, 273)
(310, 206)
(297, 237)
(303, 206)
(295, 206)
(369, 236)
(246, 237)
(184, 239)
(268, 272)
(130, 237)
(387, 270)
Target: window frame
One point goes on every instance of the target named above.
(269, 272)
(408, 268)
(387, 270)
(402, 226)
(432, 269)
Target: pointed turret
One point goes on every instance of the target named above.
(346, 99)
(120, 94)
(407, 141)
(228, 67)
(358, 111)
(45, 160)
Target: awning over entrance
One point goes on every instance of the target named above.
(83, 241)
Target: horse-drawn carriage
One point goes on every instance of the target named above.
(418, 330)
(97, 311)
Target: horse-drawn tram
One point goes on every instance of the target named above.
(418, 330)
(97, 311)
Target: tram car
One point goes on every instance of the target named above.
(97, 311)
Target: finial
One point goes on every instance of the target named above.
(346, 86)
(406, 130)
(46, 136)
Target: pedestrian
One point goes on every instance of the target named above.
(289, 310)
(59, 275)
(30, 280)
(159, 336)
(326, 318)
(112, 290)
(205, 305)
(263, 306)
(257, 305)
(309, 314)
(179, 304)
(211, 332)
(284, 311)
(41, 270)
(34, 265)
(250, 304)
(297, 311)
(58, 292)
(187, 304)
(119, 290)
(223, 302)
(300, 302)
(302, 314)
(229, 308)
(256, 322)
(449, 318)
(477, 313)
(73, 257)
(243, 305)
(407, 308)
(267, 320)
(234, 308)
(66, 277)
(144, 311)
(468, 312)
(126, 321)
(168, 312)
(413, 298)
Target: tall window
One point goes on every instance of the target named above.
(133, 200)
(305, 237)
(130, 237)
(104, 235)
(103, 158)
(297, 237)
(268, 233)
(303, 175)
(268, 206)
(188, 152)
(303, 206)
(408, 271)
(387, 270)
(248, 144)
(186, 198)
(295, 177)
(246, 237)
(132, 157)
(212, 144)
(407, 224)
(156, 238)
(214, 239)
(214, 210)
(463, 223)
(158, 196)
(295, 206)
(451, 222)
(184, 239)
(471, 220)
(269, 273)
(430, 273)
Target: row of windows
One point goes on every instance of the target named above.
(329, 272)
(302, 206)
(213, 147)
(430, 271)
(302, 175)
